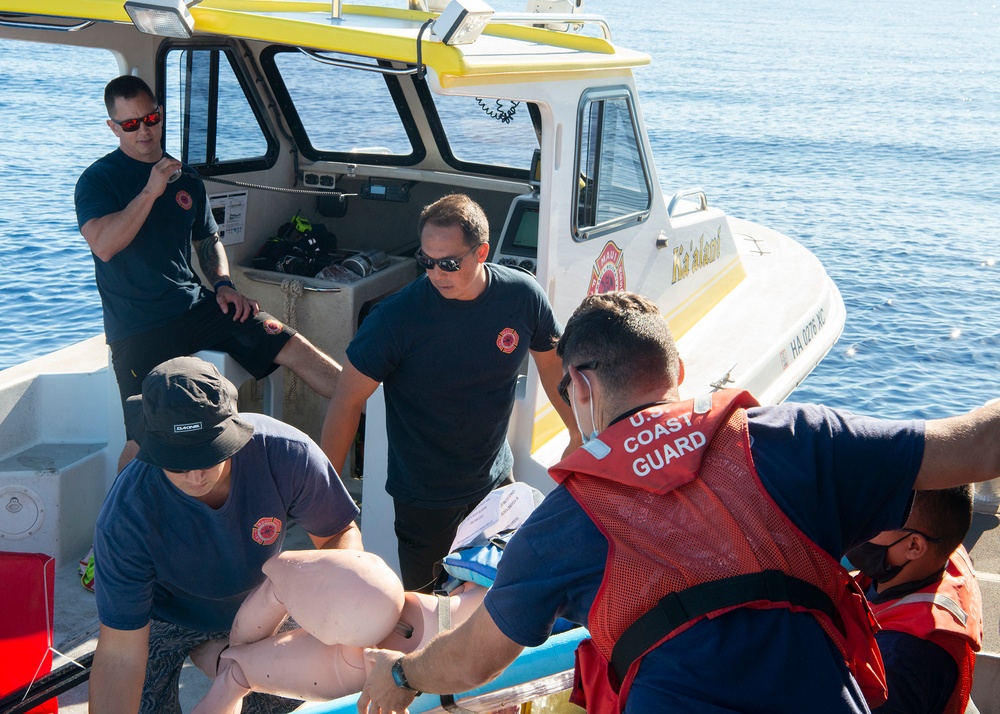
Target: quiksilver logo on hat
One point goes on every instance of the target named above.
(193, 426)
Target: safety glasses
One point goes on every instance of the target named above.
(449, 265)
(130, 125)
(563, 387)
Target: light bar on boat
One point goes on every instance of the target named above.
(166, 18)
(462, 22)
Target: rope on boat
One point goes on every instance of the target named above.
(292, 290)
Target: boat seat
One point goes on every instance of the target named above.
(274, 383)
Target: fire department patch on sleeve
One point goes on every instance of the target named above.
(507, 340)
(272, 326)
(266, 530)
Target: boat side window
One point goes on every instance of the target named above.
(338, 113)
(212, 121)
(486, 134)
(614, 189)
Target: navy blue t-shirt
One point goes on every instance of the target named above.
(921, 675)
(449, 370)
(150, 282)
(840, 478)
(162, 554)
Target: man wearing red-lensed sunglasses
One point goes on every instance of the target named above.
(141, 212)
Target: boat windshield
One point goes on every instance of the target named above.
(480, 130)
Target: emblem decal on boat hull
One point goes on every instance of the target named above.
(266, 530)
(609, 271)
(507, 340)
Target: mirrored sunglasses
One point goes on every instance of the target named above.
(449, 265)
(130, 125)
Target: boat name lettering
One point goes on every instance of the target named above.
(693, 258)
(810, 330)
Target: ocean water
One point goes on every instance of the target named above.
(868, 131)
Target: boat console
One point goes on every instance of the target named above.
(519, 239)
(518, 246)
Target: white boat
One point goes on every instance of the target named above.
(355, 117)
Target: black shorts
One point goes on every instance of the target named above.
(424, 536)
(254, 344)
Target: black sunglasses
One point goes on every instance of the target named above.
(130, 125)
(932, 539)
(563, 387)
(449, 265)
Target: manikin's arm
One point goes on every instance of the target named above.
(550, 372)
(119, 670)
(455, 661)
(109, 235)
(960, 450)
(344, 413)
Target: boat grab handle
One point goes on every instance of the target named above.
(351, 64)
(260, 278)
(20, 24)
(538, 19)
(687, 193)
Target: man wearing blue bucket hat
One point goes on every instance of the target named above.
(187, 525)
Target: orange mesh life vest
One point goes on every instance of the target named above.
(691, 529)
(948, 613)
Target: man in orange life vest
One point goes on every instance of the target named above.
(698, 540)
(924, 593)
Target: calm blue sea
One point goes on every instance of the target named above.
(869, 131)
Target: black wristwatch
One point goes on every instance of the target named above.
(399, 676)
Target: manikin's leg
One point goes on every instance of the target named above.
(260, 615)
(298, 665)
(293, 664)
(345, 597)
(206, 656)
(337, 596)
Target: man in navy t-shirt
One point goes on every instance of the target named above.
(447, 348)
(815, 482)
(141, 213)
(187, 526)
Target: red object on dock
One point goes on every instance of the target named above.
(26, 616)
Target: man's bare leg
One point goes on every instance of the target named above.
(311, 365)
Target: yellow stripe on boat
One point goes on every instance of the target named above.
(701, 301)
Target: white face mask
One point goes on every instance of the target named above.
(591, 443)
